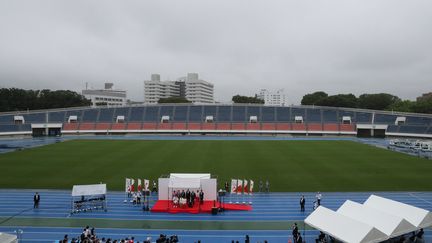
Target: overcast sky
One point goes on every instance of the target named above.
(338, 46)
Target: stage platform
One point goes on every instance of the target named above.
(162, 206)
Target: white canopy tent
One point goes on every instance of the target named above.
(389, 224)
(184, 183)
(88, 197)
(89, 190)
(190, 175)
(178, 181)
(8, 238)
(419, 217)
(343, 228)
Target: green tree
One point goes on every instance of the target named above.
(173, 99)
(403, 106)
(314, 98)
(340, 100)
(381, 101)
(239, 99)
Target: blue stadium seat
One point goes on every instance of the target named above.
(122, 111)
(239, 114)
(152, 114)
(195, 114)
(224, 114)
(392, 128)
(413, 129)
(35, 118)
(136, 114)
(330, 116)
(180, 113)
(90, 115)
(59, 116)
(15, 128)
(429, 130)
(283, 114)
(385, 119)
(106, 115)
(7, 119)
(313, 115)
(411, 120)
(210, 111)
(268, 114)
(253, 111)
(166, 111)
(363, 117)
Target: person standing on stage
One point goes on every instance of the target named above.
(192, 198)
(36, 200)
(302, 203)
(201, 197)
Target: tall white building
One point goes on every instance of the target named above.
(190, 87)
(107, 96)
(278, 98)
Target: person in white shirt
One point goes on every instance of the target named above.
(318, 198)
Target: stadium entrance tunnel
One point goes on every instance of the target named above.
(371, 131)
(41, 130)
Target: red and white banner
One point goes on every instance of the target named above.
(233, 185)
(127, 186)
(132, 185)
(251, 184)
(146, 184)
(139, 187)
(245, 187)
(239, 186)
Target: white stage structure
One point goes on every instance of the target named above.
(191, 181)
(89, 197)
(8, 238)
(376, 220)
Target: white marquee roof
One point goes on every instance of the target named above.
(190, 175)
(186, 183)
(419, 217)
(342, 227)
(89, 190)
(8, 238)
(389, 224)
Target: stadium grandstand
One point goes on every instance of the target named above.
(216, 119)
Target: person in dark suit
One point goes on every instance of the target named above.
(36, 200)
(302, 203)
(201, 197)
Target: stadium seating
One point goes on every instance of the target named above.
(220, 119)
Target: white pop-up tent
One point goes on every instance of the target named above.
(419, 217)
(389, 224)
(343, 228)
(8, 238)
(88, 197)
(191, 181)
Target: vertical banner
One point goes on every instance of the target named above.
(251, 185)
(146, 184)
(132, 185)
(233, 185)
(245, 187)
(127, 185)
(239, 186)
(139, 186)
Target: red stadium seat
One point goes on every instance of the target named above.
(194, 126)
(70, 126)
(223, 126)
(164, 126)
(268, 126)
(283, 126)
(208, 126)
(134, 126)
(238, 126)
(347, 127)
(102, 126)
(253, 126)
(118, 126)
(314, 127)
(149, 126)
(179, 126)
(86, 126)
(298, 127)
(331, 127)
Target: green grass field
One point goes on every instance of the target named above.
(288, 165)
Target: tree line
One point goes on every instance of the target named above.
(13, 99)
(380, 101)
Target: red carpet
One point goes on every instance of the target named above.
(162, 206)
